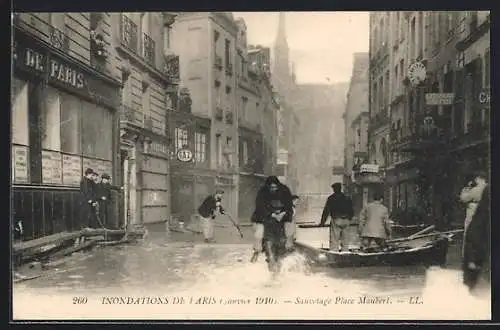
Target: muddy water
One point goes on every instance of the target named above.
(195, 281)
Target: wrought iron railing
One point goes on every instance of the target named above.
(229, 69)
(128, 33)
(219, 113)
(172, 67)
(50, 210)
(130, 115)
(218, 62)
(148, 49)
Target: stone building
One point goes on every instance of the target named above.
(206, 44)
(149, 74)
(356, 104)
(438, 115)
(65, 101)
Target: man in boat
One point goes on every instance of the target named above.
(208, 210)
(476, 254)
(273, 218)
(374, 222)
(339, 207)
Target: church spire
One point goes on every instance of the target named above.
(281, 35)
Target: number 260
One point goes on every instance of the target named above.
(79, 300)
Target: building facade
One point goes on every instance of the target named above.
(357, 103)
(150, 75)
(207, 70)
(65, 114)
(439, 120)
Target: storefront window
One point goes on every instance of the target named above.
(70, 124)
(200, 147)
(96, 132)
(20, 132)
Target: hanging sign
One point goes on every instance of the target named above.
(185, 155)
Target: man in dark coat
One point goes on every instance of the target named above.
(208, 210)
(274, 210)
(104, 197)
(88, 200)
(476, 259)
(339, 207)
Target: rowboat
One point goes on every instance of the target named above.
(428, 249)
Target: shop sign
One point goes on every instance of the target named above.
(485, 96)
(369, 168)
(185, 155)
(55, 69)
(439, 98)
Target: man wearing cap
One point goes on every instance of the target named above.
(339, 207)
(88, 200)
(104, 197)
(208, 210)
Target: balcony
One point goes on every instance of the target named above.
(474, 34)
(154, 125)
(426, 140)
(171, 68)
(378, 120)
(219, 113)
(148, 49)
(229, 69)
(229, 118)
(128, 34)
(36, 26)
(254, 165)
(218, 62)
(131, 116)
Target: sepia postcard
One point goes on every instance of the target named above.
(251, 165)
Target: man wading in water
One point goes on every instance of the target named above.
(274, 212)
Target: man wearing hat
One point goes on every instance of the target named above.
(339, 207)
(104, 197)
(88, 200)
(208, 210)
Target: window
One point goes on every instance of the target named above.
(20, 132)
(19, 99)
(181, 139)
(200, 147)
(218, 149)
(245, 152)
(396, 82)
(227, 52)
(487, 69)
(167, 36)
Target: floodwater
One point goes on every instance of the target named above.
(216, 281)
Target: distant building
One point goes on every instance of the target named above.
(206, 44)
(283, 79)
(357, 103)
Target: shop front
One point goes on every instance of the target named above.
(64, 120)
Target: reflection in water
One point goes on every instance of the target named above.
(221, 270)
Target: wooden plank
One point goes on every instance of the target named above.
(54, 239)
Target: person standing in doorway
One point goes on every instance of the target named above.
(374, 224)
(104, 198)
(88, 200)
(476, 255)
(339, 207)
(209, 209)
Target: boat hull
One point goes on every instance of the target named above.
(429, 253)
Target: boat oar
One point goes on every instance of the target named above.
(420, 232)
(405, 239)
(234, 223)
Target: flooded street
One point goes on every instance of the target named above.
(213, 281)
